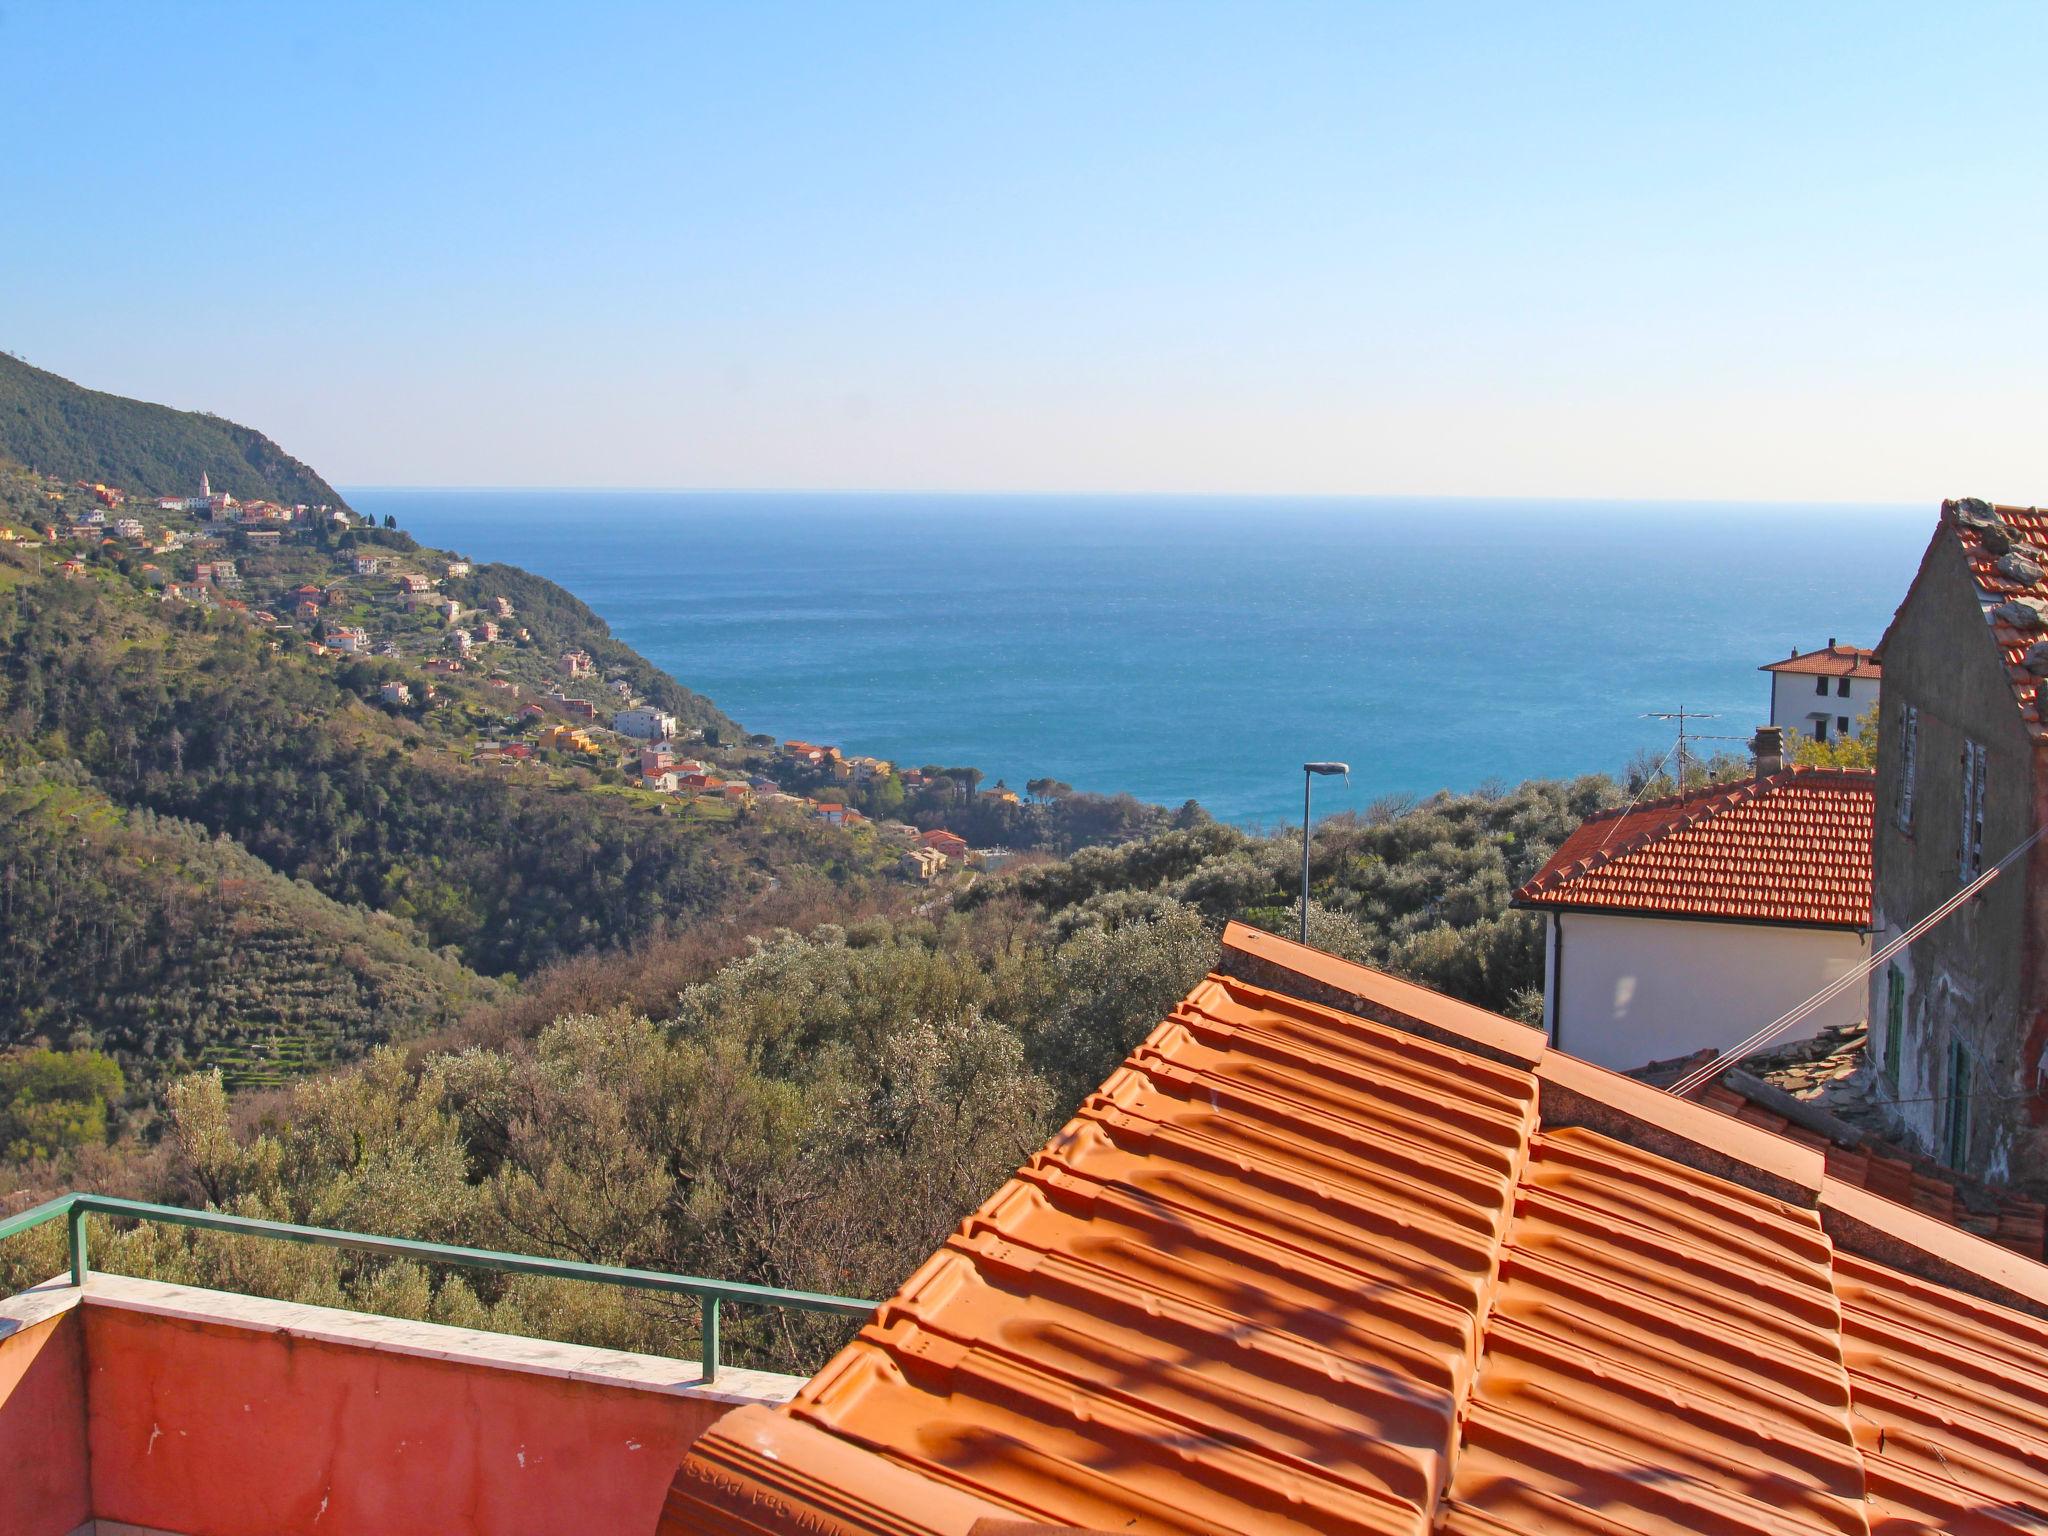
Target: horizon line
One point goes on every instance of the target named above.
(351, 488)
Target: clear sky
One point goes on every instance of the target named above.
(1773, 251)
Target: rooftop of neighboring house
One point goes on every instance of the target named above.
(1334, 1253)
(1789, 848)
(1831, 660)
(1820, 1093)
(2007, 551)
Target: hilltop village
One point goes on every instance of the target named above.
(427, 637)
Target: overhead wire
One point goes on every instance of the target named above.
(1700, 1076)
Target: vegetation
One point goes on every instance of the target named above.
(52, 425)
(1858, 751)
(811, 1109)
(54, 1101)
(283, 946)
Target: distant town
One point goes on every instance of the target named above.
(421, 619)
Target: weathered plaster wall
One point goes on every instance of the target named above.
(45, 1485)
(1964, 978)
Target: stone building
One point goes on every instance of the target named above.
(1960, 1019)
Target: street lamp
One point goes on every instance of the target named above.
(1308, 777)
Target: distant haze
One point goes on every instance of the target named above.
(1734, 251)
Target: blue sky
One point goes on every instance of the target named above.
(1782, 252)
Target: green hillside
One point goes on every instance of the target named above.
(169, 948)
(50, 424)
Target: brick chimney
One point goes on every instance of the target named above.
(1769, 746)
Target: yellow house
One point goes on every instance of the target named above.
(569, 738)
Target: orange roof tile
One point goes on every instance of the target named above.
(1830, 661)
(2004, 546)
(1291, 1270)
(1792, 848)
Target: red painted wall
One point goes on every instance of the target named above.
(44, 1486)
(226, 1431)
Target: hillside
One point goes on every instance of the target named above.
(50, 424)
(171, 949)
(256, 811)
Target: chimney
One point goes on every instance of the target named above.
(1831, 642)
(1769, 746)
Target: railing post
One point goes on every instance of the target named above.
(709, 1364)
(75, 1220)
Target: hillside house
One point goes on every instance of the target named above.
(922, 864)
(457, 568)
(575, 709)
(486, 631)
(502, 607)
(661, 780)
(130, 528)
(576, 664)
(1688, 924)
(461, 641)
(348, 640)
(262, 538)
(1960, 1020)
(413, 581)
(645, 723)
(396, 693)
(951, 844)
(366, 565)
(1822, 694)
(443, 666)
(569, 738)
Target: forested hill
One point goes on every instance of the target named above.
(50, 424)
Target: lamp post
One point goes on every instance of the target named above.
(1308, 777)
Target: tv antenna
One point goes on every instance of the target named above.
(1681, 715)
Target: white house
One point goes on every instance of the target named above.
(1820, 694)
(645, 722)
(1691, 923)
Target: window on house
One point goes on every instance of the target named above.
(1970, 858)
(1820, 727)
(1841, 725)
(1842, 688)
(1820, 685)
(1894, 1024)
(1957, 1144)
(1909, 764)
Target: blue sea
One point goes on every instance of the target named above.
(1198, 647)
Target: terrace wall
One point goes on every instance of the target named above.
(178, 1409)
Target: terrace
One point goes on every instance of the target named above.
(146, 1409)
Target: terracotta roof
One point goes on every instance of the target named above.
(1793, 848)
(1294, 1270)
(2004, 546)
(1830, 661)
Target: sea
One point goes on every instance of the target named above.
(1205, 647)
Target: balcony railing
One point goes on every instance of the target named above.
(73, 1209)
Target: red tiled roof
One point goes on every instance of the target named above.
(1793, 848)
(1830, 661)
(1294, 1270)
(2000, 543)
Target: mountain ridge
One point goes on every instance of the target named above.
(50, 424)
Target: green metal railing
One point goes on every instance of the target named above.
(709, 1294)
